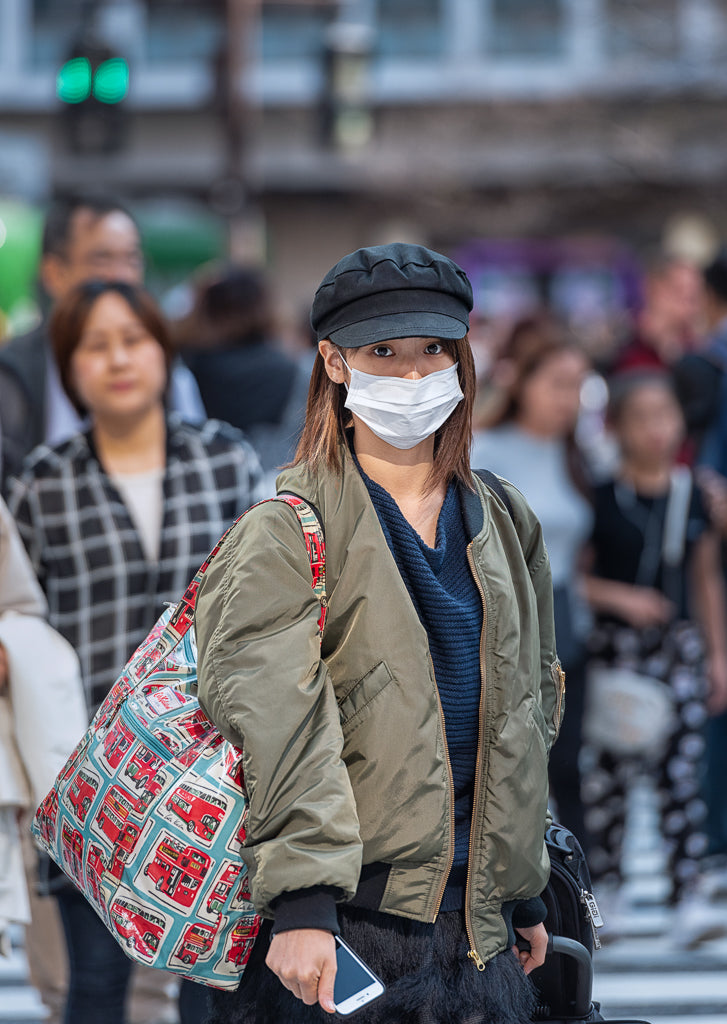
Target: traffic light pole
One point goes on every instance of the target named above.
(244, 238)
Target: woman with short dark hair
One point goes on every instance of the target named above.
(396, 766)
(116, 521)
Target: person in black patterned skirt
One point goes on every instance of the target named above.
(656, 618)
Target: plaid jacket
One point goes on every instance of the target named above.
(103, 594)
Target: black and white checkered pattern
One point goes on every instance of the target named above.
(103, 594)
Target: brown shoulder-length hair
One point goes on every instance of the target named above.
(531, 343)
(71, 313)
(327, 420)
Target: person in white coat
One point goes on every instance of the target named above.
(42, 716)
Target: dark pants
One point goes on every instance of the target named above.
(99, 970)
(716, 790)
(564, 770)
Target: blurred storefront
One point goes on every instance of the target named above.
(320, 125)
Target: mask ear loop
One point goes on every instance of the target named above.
(350, 371)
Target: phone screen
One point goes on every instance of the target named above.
(355, 984)
(351, 977)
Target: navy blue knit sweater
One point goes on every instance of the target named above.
(449, 606)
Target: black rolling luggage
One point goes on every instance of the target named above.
(565, 981)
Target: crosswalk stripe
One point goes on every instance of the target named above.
(20, 1004)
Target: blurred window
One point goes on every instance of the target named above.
(642, 29)
(292, 31)
(179, 30)
(410, 28)
(527, 28)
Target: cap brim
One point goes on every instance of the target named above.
(399, 325)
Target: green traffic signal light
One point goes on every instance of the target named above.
(73, 84)
(77, 81)
(111, 81)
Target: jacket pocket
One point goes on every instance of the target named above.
(353, 708)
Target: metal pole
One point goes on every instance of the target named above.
(242, 16)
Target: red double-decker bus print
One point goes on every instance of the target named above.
(72, 846)
(243, 894)
(200, 811)
(196, 724)
(47, 816)
(117, 743)
(178, 870)
(204, 747)
(81, 794)
(232, 763)
(111, 819)
(140, 929)
(95, 867)
(143, 766)
(196, 941)
(221, 890)
(243, 938)
(122, 849)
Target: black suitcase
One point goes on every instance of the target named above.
(565, 981)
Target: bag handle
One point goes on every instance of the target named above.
(677, 514)
(183, 615)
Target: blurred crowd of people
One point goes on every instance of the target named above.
(632, 505)
(128, 444)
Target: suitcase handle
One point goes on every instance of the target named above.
(569, 947)
(584, 976)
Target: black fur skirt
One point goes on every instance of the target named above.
(428, 978)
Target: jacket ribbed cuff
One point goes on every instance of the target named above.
(527, 913)
(306, 908)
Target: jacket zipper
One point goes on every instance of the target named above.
(473, 955)
(450, 785)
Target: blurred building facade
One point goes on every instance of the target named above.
(346, 122)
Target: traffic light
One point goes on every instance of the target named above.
(92, 85)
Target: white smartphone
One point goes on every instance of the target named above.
(356, 984)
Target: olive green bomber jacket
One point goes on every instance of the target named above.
(344, 749)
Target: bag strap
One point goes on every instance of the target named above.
(183, 615)
(495, 484)
(677, 515)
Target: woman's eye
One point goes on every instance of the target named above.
(382, 350)
(435, 349)
(92, 345)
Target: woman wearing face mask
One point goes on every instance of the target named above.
(397, 766)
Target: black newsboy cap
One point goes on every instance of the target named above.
(392, 291)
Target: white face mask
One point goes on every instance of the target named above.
(403, 412)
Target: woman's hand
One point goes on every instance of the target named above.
(714, 490)
(717, 678)
(535, 956)
(643, 607)
(304, 959)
